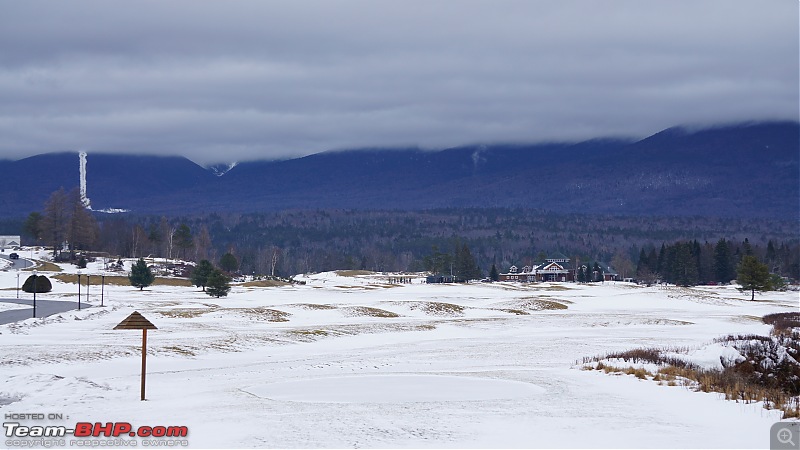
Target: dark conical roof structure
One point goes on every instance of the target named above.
(135, 321)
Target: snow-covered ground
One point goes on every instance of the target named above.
(354, 361)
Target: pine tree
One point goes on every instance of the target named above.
(597, 272)
(642, 265)
(465, 266)
(155, 238)
(228, 263)
(723, 262)
(201, 272)
(218, 284)
(661, 266)
(772, 256)
(493, 274)
(33, 226)
(183, 239)
(753, 276)
(141, 276)
(747, 249)
(437, 262)
(683, 264)
(582, 274)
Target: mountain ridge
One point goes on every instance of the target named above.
(749, 170)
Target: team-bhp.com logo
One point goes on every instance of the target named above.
(86, 429)
(54, 435)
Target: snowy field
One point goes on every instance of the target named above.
(349, 360)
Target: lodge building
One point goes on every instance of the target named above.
(558, 268)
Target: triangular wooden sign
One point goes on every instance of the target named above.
(135, 321)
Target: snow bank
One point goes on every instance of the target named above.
(711, 357)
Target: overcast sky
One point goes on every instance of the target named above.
(242, 80)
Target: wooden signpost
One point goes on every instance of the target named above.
(137, 321)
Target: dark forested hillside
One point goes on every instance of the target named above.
(736, 171)
(304, 240)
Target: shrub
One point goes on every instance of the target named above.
(783, 321)
(42, 284)
(769, 370)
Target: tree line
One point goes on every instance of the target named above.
(689, 263)
(289, 242)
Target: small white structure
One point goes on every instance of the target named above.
(9, 241)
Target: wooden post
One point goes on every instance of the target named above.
(137, 322)
(144, 358)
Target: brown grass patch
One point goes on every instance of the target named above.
(264, 283)
(179, 350)
(43, 266)
(534, 304)
(518, 312)
(182, 282)
(353, 273)
(185, 313)
(117, 280)
(783, 321)
(267, 314)
(312, 306)
(314, 332)
(368, 311)
(440, 309)
(555, 288)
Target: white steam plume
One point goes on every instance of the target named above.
(84, 199)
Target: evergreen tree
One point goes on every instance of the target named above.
(753, 276)
(228, 263)
(683, 264)
(597, 272)
(723, 262)
(218, 284)
(33, 226)
(771, 253)
(201, 272)
(581, 274)
(706, 264)
(155, 238)
(747, 249)
(642, 267)
(662, 257)
(493, 274)
(183, 239)
(776, 282)
(437, 262)
(141, 276)
(652, 261)
(465, 267)
(772, 260)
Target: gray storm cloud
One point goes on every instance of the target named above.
(237, 80)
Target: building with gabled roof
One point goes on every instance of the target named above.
(555, 268)
(9, 242)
